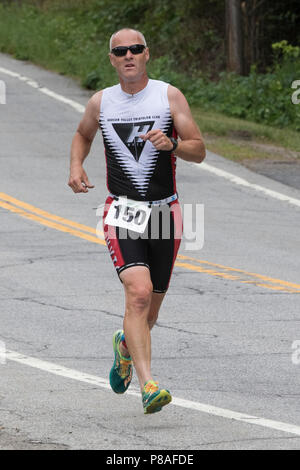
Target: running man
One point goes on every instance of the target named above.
(140, 120)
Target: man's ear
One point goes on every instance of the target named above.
(147, 53)
(112, 59)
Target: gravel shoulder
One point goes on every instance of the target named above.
(277, 163)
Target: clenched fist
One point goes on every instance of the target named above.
(79, 181)
(158, 139)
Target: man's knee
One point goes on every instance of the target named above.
(138, 296)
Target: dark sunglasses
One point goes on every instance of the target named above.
(121, 51)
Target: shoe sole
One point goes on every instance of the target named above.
(111, 371)
(158, 402)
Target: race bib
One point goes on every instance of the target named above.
(129, 214)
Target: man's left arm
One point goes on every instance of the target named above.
(191, 146)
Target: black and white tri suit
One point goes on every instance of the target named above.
(137, 170)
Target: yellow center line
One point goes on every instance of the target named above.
(49, 223)
(274, 284)
(42, 217)
(47, 215)
(241, 273)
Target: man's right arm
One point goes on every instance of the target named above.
(81, 145)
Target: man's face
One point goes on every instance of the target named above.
(131, 66)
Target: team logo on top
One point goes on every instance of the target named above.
(130, 134)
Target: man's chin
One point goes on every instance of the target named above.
(131, 77)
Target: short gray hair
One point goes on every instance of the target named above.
(126, 29)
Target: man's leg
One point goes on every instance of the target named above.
(156, 302)
(142, 306)
(155, 305)
(138, 296)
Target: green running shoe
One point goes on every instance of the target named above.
(121, 372)
(154, 398)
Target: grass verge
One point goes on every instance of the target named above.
(239, 139)
(70, 39)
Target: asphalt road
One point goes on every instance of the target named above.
(224, 342)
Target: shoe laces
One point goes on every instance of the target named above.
(151, 386)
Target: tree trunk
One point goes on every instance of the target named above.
(234, 36)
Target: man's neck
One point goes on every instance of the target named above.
(134, 87)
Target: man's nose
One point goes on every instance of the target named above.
(128, 54)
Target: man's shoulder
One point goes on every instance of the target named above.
(162, 83)
(94, 103)
(158, 83)
(95, 99)
(174, 92)
(177, 101)
(175, 96)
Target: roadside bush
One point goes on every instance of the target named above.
(71, 37)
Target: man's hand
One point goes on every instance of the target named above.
(79, 181)
(158, 139)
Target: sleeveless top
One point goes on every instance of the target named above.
(135, 168)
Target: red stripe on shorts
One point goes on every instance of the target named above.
(178, 229)
(111, 238)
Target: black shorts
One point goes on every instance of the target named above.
(156, 248)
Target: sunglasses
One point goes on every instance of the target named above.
(121, 51)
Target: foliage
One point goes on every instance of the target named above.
(186, 43)
(264, 98)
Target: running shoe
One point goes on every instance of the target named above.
(154, 398)
(121, 372)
